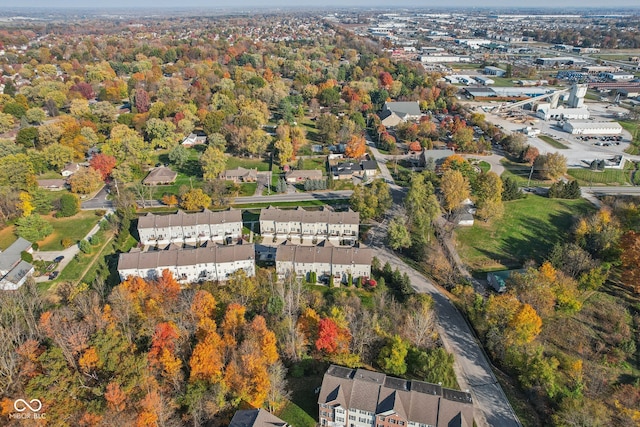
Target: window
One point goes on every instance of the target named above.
(352, 417)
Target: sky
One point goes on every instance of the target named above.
(316, 4)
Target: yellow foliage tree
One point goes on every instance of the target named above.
(26, 204)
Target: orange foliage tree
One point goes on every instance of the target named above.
(356, 147)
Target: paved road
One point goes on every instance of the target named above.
(99, 201)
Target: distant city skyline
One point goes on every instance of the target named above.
(239, 4)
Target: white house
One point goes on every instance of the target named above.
(309, 227)
(182, 227)
(13, 270)
(210, 262)
(325, 261)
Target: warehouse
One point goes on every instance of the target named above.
(557, 61)
(545, 112)
(592, 128)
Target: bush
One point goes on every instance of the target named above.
(66, 242)
(96, 240)
(26, 256)
(35, 246)
(84, 246)
(69, 206)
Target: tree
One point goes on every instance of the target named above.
(142, 100)
(161, 133)
(630, 258)
(331, 338)
(455, 189)
(35, 115)
(58, 155)
(398, 235)
(33, 228)
(356, 147)
(26, 203)
(179, 155)
(213, 163)
(85, 181)
(28, 137)
(328, 126)
(103, 163)
(551, 166)
(511, 190)
(69, 205)
(195, 199)
(6, 122)
(392, 356)
(488, 192)
(284, 149)
(170, 200)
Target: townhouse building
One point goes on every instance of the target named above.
(181, 227)
(361, 398)
(325, 261)
(310, 227)
(210, 262)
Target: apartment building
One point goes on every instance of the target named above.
(325, 261)
(361, 398)
(210, 262)
(182, 227)
(309, 227)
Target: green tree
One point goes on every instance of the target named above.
(33, 228)
(58, 155)
(161, 133)
(6, 122)
(213, 163)
(511, 190)
(392, 356)
(422, 207)
(398, 235)
(35, 116)
(69, 205)
(179, 155)
(28, 137)
(488, 194)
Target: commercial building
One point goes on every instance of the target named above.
(209, 262)
(545, 112)
(13, 270)
(182, 227)
(325, 260)
(361, 398)
(558, 61)
(494, 71)
(592, 128)
(311, 227)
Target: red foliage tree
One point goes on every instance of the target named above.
(331, 338)
(103, 163)
(142, 100)
(385, 80)
(84, 89)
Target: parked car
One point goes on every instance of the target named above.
(53, 275)
(58, 258)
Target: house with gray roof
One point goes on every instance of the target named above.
(394, 113)
(13, 270)
(211, 262)
(325, 260)
(256, 418)
(361, 398)
(161, 175)
(240, 174)
(311, 227)
(181, 227)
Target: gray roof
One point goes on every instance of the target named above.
(211, 254)
(256, 418)
(326, 254)
(159, 175)
(11, 255)
(403, 109)
(412, 400)
(324, 216)
(182, 219)
(240, 172)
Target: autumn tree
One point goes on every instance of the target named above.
(195, 199)
(213, 163)
(455, 189)
(103, 163)
(630, 258)
(551, 166)
(392, 356)
(488, 196)
(85, 181)
(356, 147)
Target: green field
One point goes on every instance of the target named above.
(588, 177)
(260, 164)
(520, 172)
(315, 163)
(529, 229)
(552, 142)
(74, 228)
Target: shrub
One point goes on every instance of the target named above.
(26, 256)
(66, 242)
(96, 240)
(84, 246)
(69, 205)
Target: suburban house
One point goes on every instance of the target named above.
(394, 113)
(182, 227)
(70, 169)
(194, 139)
(325, 260)
(52, 184)
(240, 174)
(256, 418)
(359, 398)
(347, 170)
(209, 262)
(161, 175)
(13, 270)
(294, 176)
(309, 227)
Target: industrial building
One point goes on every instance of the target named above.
(494, 71)
(592, 128)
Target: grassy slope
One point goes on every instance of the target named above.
(75, 228)
(528, 230)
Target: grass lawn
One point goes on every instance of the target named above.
(346, 184)
(552, 142)
(587, 177)
(260, 164)
(75, 228)
(630, 126)
(182, 180)
(529, 229)
(296, 416)
(247, 189)
(7, 237)
(520, 172)
(484, 166)
(304, 404)
(315, 163)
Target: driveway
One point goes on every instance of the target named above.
(99, 201)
